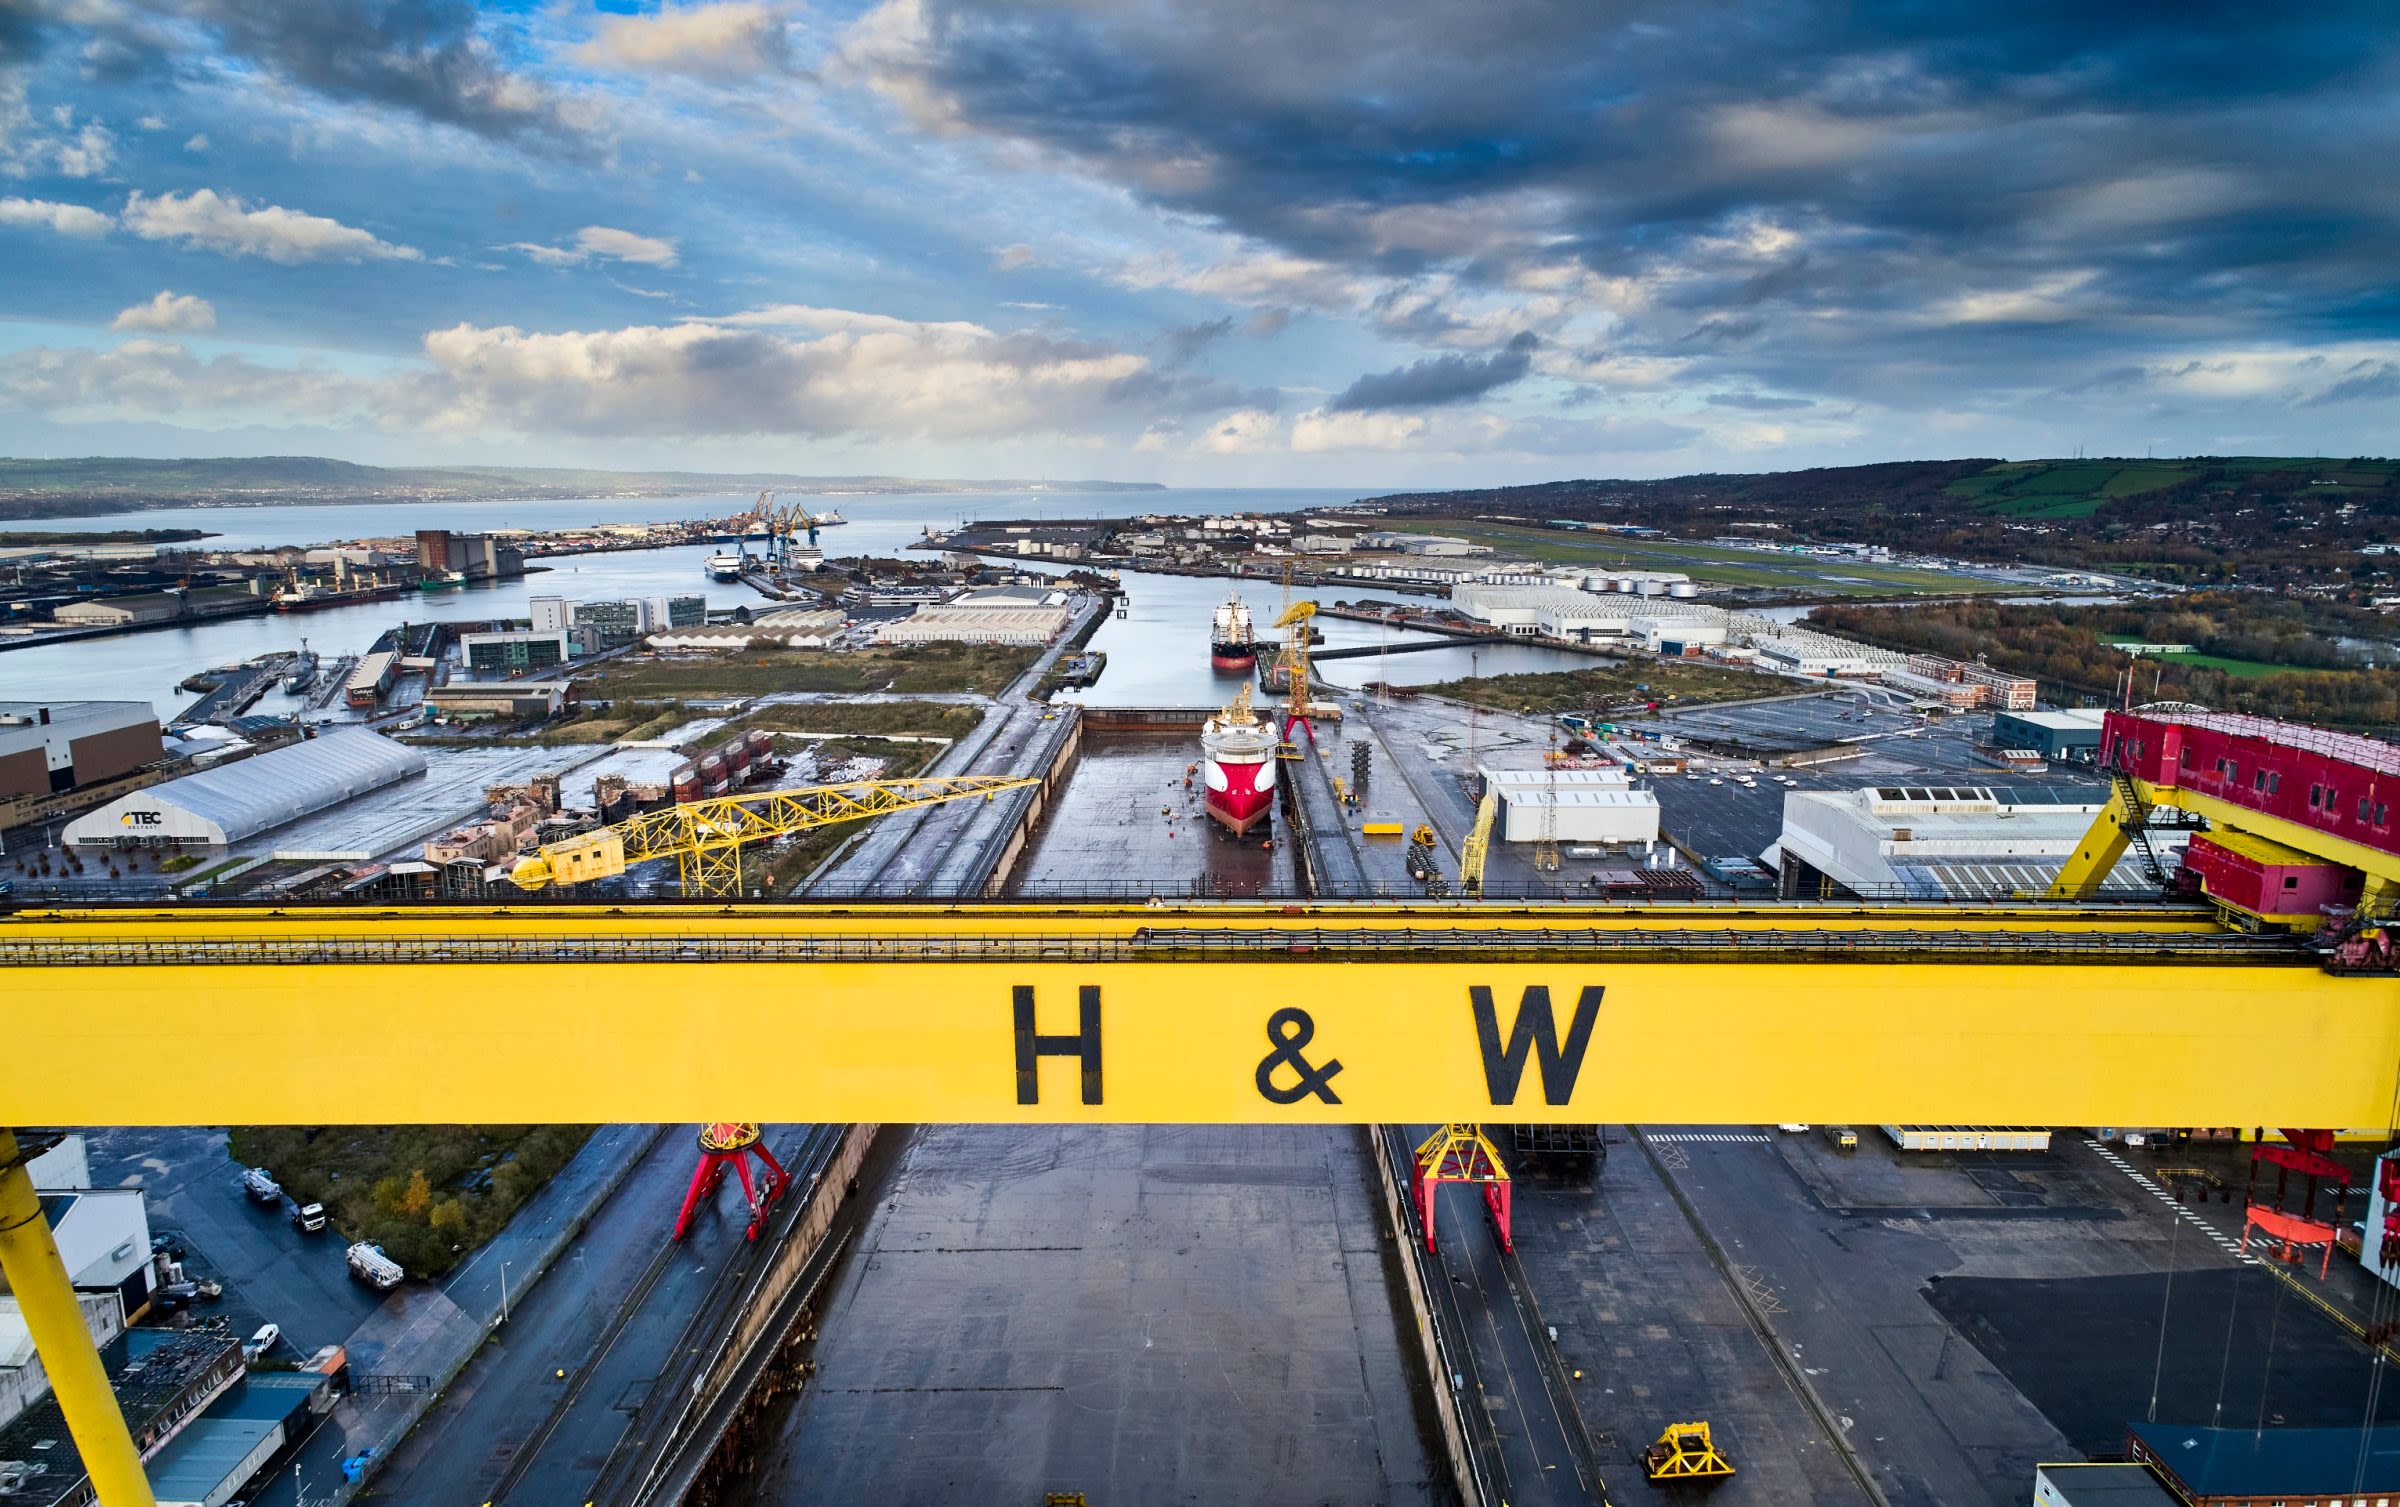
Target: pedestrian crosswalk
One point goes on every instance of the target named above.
(2224, 1242)
(1714, 1138)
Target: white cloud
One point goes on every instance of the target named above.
(210, 221)
(847, 373)
(1245, 431)
(1259, 278)
(1011, 258)
(196, 142)
(158, 379)
(732, 40)
(602, 241)
(625, 246)
(2048, 300)
(66, 219)
(87, 153)
(167, 313)
(151, 123)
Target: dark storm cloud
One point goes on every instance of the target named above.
(2363, 382)
(1439, 380)
(427, 58)
(1821, 181)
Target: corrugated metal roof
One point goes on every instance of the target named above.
(265, 791)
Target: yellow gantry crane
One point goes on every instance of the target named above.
(1298, 622)
(705, 838)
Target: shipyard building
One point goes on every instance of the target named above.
(50, 747)
(221, 806)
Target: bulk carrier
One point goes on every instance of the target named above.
(1237, 767)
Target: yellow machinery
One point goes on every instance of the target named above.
(705, 838)
(1222, 1012)
(1479, 844)
(1685, 1452)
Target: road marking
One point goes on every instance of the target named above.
(2225, 1242)
(1715, 1139)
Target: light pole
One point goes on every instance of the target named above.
(503, 1292)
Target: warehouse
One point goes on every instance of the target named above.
(955, 624)
(50, 747)
(785, 628)
(121, 612)
(1517, 609)
(220, 806)
(507, 698)
(2053, 735)
(1572, 805)
(1941, 842)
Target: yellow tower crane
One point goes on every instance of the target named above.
(705, 838)
(1298, 622)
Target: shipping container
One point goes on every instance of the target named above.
(1968, 1137)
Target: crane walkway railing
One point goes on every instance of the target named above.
(1311, 944)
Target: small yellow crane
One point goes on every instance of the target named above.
(705, 838)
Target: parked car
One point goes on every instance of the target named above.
(257, 1346)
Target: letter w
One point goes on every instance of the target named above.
(1536, 1026)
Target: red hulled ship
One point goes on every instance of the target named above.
(1229, 643)
(1237, 767)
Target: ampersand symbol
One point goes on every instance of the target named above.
(1289, 1030)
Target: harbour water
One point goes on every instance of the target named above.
(1158, 652)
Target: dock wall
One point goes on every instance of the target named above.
(1432, 1350)
(1029, 819)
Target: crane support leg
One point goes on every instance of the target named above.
(29, 1257)
(2096, 856)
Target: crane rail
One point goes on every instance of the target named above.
(1149, 945)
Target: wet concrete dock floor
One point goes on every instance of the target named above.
(1140, 1313)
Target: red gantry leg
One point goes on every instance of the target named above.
(732, 1143)
(1461, 1154)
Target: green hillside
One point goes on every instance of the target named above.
(2082, 488)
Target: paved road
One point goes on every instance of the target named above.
(1512, 1392)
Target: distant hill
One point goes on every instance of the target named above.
(2260, 520)
(59, 488)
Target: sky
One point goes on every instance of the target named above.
(1256, 242)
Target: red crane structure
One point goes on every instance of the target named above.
(731, 1144)
(2287, 827)
(1460, 1154)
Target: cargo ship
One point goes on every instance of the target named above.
(1237, 767)
(1229, 643)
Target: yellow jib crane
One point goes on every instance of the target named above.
(1298, 621)
(705, 838)
(1479, 843)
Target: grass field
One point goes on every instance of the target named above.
(986, 669)
(853, 719)
(2246, 668)
(1716, 563)
(2080, 488)
(1609, 685)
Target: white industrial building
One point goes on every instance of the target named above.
(1516, 609)
(1589, 806)
(1940, 842)
(221, 806)
(788, 628)
(986, 615)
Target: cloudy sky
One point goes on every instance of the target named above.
(1254, 242)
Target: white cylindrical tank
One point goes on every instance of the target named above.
(1683, 590)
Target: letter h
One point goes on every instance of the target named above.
(1032, 1046)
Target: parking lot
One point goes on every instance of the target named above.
(271, 1271)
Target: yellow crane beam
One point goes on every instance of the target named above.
(705, 838)
(1201, 1012)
